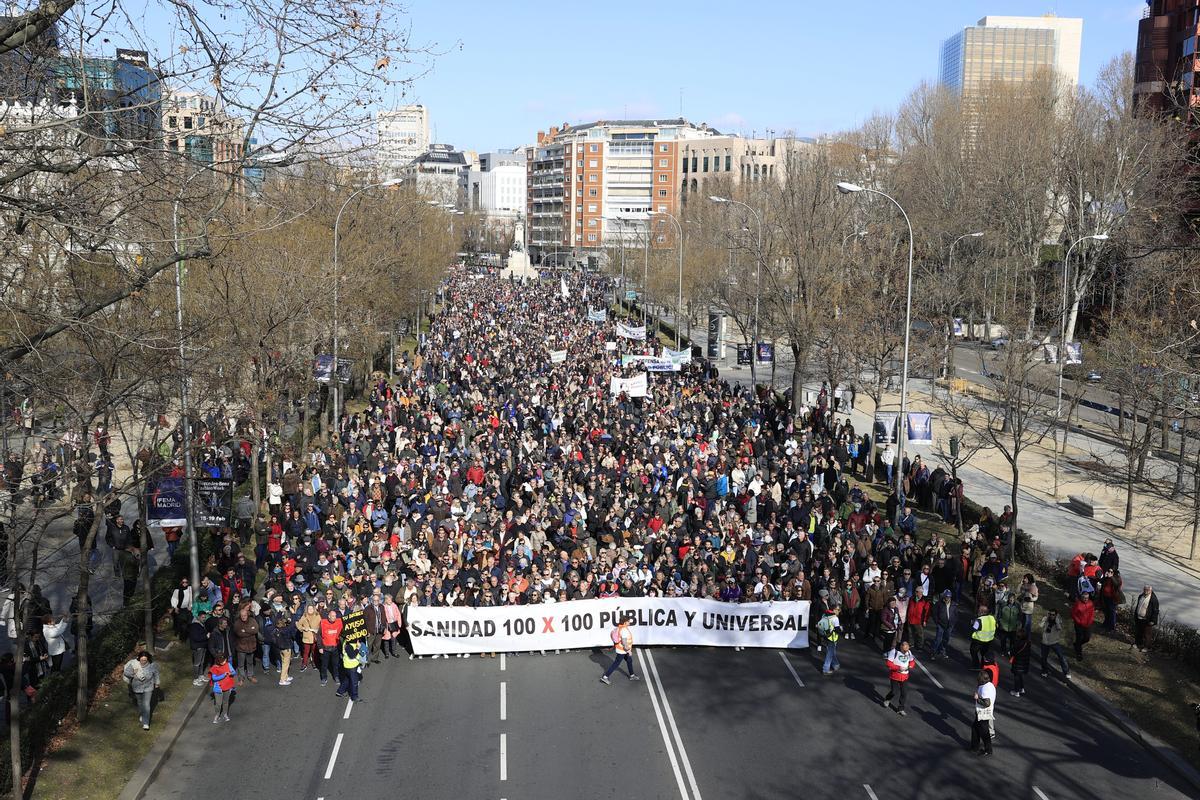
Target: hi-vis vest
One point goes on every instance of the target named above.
(828, 628)
(350, 662)
(623, 639)
(987, 629)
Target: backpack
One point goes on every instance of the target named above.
(825, 626)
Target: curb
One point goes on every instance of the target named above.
(1164, 752)
(154, 759)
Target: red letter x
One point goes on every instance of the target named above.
(547, 624)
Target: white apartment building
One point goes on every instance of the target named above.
(402, 135)
(496, 187)
(437, 173)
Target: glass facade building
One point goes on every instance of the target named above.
(978, 56)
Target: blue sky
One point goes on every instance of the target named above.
(510, 69)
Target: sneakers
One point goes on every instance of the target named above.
(1066, 677)
(826, 672)
(324, 681)
(1045, 674)
(288, 682)
(604, 679)
(902, 712)
(339, 694)
(145, 727)
(198, 681)
(303, 667)
(1015, 693)
(216, 719)
(635, 677)
(224, 718)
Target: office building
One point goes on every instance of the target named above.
(496, 187)
(438, 173)
(196, 126)
(731, 160)
(118, 98)
(1165, 61)
(402, 135)
(1011, 50)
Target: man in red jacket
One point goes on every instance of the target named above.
(918, 614)
(1083, 614)
(899, 661)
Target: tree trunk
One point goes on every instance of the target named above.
(255, 485)
(147, 585)
(1195, 508)
(797, 379)
(21, 611)
(1016, 485)
(82, 607)
(1129, 478)
(1183, 430)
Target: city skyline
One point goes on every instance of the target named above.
(524, 87)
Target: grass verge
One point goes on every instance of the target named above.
(95, 760)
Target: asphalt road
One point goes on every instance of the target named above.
(703, 723)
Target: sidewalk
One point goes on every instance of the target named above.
(1062, 532)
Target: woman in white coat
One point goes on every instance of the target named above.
(55, 636)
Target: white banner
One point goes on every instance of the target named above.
(558, 356)
(634, 387)
(596, 314)
(629, 359)
(589, 623)
(683, 356)
(630, 332)
(662, 365)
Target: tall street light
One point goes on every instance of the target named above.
(679, 301)
(950, 270)
(1062, 345)
(902, 424)
(757, 278)
(337, 222)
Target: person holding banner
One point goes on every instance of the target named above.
(622, 639)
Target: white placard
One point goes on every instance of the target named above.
(589, 623)
(683, 356)
(558, 356)
(631, 332)
(596, 314)
(634, 387)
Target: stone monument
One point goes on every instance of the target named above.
(518, 266)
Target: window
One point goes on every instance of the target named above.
(593, 178)
(694, 164)
(592, 192)
(591, 222)
(660, 238)
(662, 178)
(662, 162)
(591, 208)
(579, 192)
(593, 163)
(579, 208)
(580, 177)
(662, 148)
(591, 237)
(662, 192)
(187, 123)
(579, 163)
(706, 163)
(172, 122)
(685, 166)
(728, 163)
(662, 209)
(593, 148)
(579, 237)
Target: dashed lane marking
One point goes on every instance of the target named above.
(792, 670)
(337, 745)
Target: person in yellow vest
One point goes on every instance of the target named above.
(350, 674)
(983, 631)
(622, 639)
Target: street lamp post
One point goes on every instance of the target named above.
(902, 423)
(337, 223)
(1062, 346)
(757, 279)
(679, 301)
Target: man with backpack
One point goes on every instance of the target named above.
(622, 639)
(829, 630)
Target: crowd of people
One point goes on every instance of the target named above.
(485, 473)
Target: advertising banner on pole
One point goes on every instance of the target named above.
(323, 369)
(920, 428)
(634, 387)
(765, 352)
(886, 427)
(1074, 353)
(744, 353)
(212, 503)
(164, 502)
(1050, 353)
(438, 630)
(958, 327)
(716, 330)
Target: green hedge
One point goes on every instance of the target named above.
(107, 650)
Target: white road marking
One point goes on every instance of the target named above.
(683, 756)
(349, 705)
(1040, 793)
(930, 674)
(337, 745)
(662, 726)
(791, 669)
(870, 791)
(504, 756)
(503, 701)
(502, 665)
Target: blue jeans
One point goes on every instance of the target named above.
(941, 641)
(616, 662)
(1062, 658)
(1027, 623)
(143, 702)
(889, 473)
(266, 656)
(349, 683)
(831, 659)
